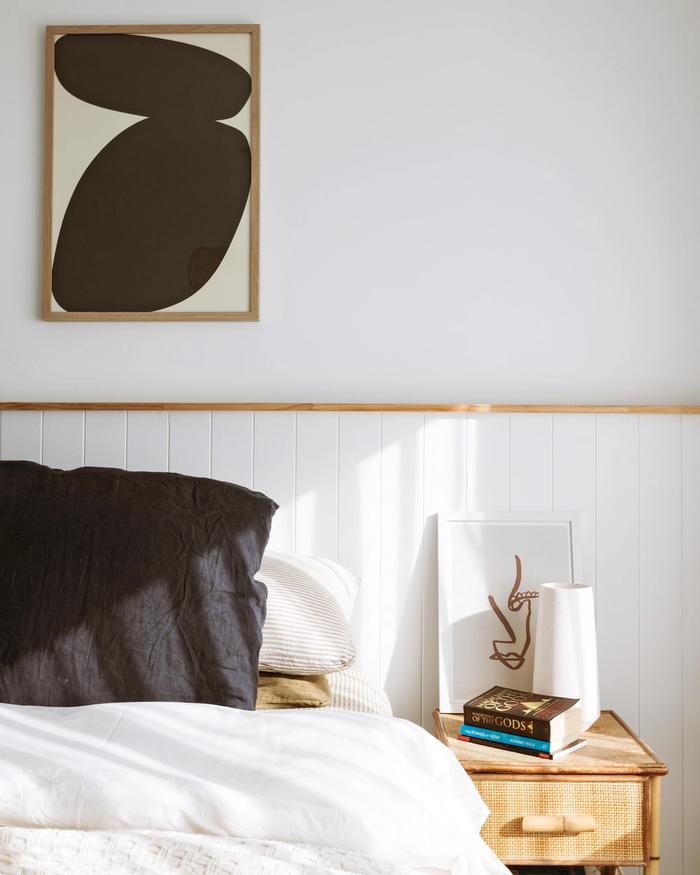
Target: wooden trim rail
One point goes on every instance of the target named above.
(354, 407)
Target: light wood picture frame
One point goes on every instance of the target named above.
(490, 569)
(151, 173)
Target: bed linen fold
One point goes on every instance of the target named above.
(361, 784)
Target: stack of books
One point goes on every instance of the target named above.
(548, 727)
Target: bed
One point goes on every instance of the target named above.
(188, 777)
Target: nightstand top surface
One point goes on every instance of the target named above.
(612, 749)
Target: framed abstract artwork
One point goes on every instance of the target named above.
(490, 570)
(151, 172)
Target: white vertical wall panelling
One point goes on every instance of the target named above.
(488, 462)
(317, 484)
(573, 479)
(402, 524)
(359, 531)
(376, 479)
(617, 563)
(20, 435)
(661, 614)
(105, 438)
(232, 447)
(189, 445)
(274, 471)
(531, 462)
(444, 488)
(574, 482)
(691, 640)
(63, 434)
(147, 440)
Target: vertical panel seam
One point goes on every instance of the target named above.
(681, 422)
(421, 564)
(168, 442)
(510, 471)
(639, 578)
(596, 559)
(125, 434)
(41, 438)
(423, 570)
(126, 441)
(84, 431)
(253, 419)
(295, 475)
(551, 462)
(296, 451)
(466, 462)
(381, 547)
(595, 516)
(337, 486)
(211, 443)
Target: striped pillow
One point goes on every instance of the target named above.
(354, 691)
(309, 602)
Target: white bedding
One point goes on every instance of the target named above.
(128, 852)
(365, 786)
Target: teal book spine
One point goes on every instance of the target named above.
(505, 738)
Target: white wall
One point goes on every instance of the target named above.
(461, 201)
(363, 488)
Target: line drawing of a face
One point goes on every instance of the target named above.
(513, 658)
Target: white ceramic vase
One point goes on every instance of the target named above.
(566, 653)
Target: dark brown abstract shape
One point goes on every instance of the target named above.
(514, 659)
(166, 189)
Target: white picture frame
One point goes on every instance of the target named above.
(487, 598)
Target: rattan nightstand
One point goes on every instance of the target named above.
(614, 782)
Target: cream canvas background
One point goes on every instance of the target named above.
(82, 130)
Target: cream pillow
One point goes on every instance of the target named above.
(354, 691)
(309, 602)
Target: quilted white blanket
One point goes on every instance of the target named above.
(373, 788)
(71, 852)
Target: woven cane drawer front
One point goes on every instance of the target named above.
(617, 806)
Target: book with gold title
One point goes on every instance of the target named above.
(554, 719)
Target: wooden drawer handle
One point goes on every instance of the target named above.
(559, 823)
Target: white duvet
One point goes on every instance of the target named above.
(377, 790)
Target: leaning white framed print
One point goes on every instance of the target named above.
(490, 569)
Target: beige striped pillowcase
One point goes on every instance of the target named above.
(309, 602)
(354, 691)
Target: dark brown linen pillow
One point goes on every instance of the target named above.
(124, 586)
(292, 691)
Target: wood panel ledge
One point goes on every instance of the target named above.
(354, 407)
